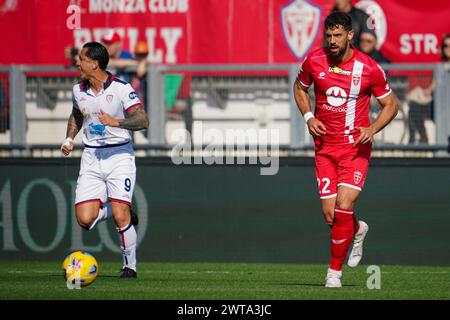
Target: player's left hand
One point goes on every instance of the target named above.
(366, 135)
(107, 120)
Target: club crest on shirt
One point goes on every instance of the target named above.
(109, 98)
(357, 176)
(300, 21)
(356, 78)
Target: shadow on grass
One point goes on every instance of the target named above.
(99, 276)
(299, 284)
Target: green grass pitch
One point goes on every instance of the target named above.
(223, 281)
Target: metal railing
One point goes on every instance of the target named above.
(213, 96)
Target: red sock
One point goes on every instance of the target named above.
(341, 237)
(355, 224)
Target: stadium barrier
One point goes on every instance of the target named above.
(228, 213)
(195, 99)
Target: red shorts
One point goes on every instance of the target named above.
(344, 165)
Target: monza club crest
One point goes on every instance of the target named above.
(357, 176)
(300, 20)
(356, 79)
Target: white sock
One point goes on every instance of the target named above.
(104, 213)
(128, 240)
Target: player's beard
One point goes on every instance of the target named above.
(339, 53)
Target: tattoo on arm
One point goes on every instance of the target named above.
(75, 123)
(135, 120)
(300, 86)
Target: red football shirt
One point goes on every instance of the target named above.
(343, 91)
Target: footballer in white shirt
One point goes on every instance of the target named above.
(107, 109)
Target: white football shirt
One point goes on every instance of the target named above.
(116, 98)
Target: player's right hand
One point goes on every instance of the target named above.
(67, 146)
(316, 128)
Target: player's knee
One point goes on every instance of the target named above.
(344, 204)
(121, 215)
(84, 225)
(84, 222)
(86, 214)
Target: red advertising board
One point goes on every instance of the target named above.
(212, 31)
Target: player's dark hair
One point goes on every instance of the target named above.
(96, 51)
(336, 19)
(444, 58)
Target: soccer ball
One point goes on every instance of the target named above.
(80, 268)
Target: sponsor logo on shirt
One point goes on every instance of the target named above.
(334, 109)
(109, 98)
(336, 96)
(97, 129)
(339, 71)
(322, 75)
(132, 95)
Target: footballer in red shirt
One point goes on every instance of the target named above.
(344, 80)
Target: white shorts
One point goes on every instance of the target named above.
(106, 174)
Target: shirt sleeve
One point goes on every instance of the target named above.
(74, 99)
(304, 73)
(379, 87)
(130, 99)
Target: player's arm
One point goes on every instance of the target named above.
(135, 119)
(388, 112)
(74, 125)
(316, 128)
